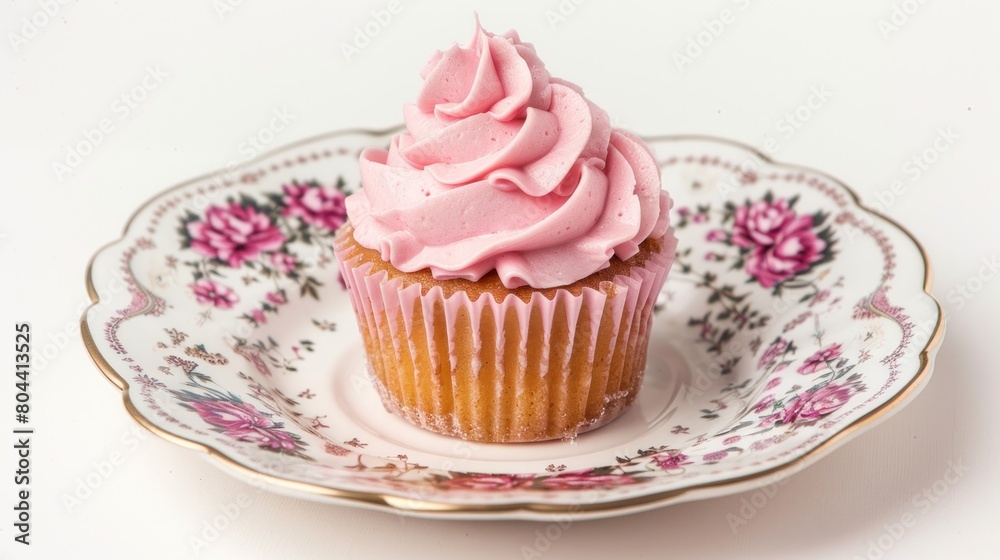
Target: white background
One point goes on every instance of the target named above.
(890, 93)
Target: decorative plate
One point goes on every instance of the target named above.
(793, 319)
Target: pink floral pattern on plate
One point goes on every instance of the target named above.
(790, 315)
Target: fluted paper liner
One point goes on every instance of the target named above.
(507, 371)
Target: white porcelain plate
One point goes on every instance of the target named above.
(792, 320)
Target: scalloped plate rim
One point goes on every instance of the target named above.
(539, 511)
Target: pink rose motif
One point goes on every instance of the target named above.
(207, 291)
(774, 382)
(572, 480)
(765, 403)
(321, 206)
(819, 360)
(761, 223)
(771, 354)
(283, 262)
(670, 460)
(258, 316)
(810, 406)
(243, 422)
(275, 298)
(784, 243)
(795, 253)
(234, 234)
(731, 440)
(489, 481)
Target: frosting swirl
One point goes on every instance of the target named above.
(503, 167)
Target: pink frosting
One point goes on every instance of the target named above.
(505, 168)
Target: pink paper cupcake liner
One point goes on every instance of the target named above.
(512, 370)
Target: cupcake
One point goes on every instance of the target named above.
(504, 255)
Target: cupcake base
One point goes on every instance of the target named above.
(485, 363)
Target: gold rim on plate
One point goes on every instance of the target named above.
(425, 507)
